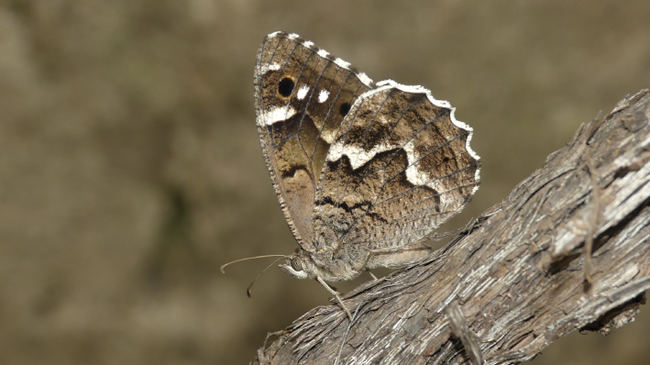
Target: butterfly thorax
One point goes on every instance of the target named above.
(344, 263)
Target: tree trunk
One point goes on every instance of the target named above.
(567, 250)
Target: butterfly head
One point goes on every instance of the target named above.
(299, 266)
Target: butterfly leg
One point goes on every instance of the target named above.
(345, 336)
(336, 295)
(372, 275)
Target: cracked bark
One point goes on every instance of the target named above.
(516, 279)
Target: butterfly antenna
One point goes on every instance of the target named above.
(250, 286)
(222, 267)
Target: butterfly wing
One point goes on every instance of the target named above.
(400, 166)
(301, 96)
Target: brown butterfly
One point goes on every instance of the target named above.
(363, 171)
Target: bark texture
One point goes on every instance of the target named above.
(568, 249)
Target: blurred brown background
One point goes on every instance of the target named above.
(130, 167)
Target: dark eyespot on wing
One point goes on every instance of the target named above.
(285, 87)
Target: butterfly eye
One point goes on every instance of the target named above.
(295, 264)
(344, 109)
(285, 87)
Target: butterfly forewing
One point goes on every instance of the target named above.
(301, 97)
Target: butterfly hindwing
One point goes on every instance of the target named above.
(399, 167)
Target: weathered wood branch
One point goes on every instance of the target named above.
(568, 249)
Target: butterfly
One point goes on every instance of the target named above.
(363, 171)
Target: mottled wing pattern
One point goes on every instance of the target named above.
(302, 94)
(400, 165)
